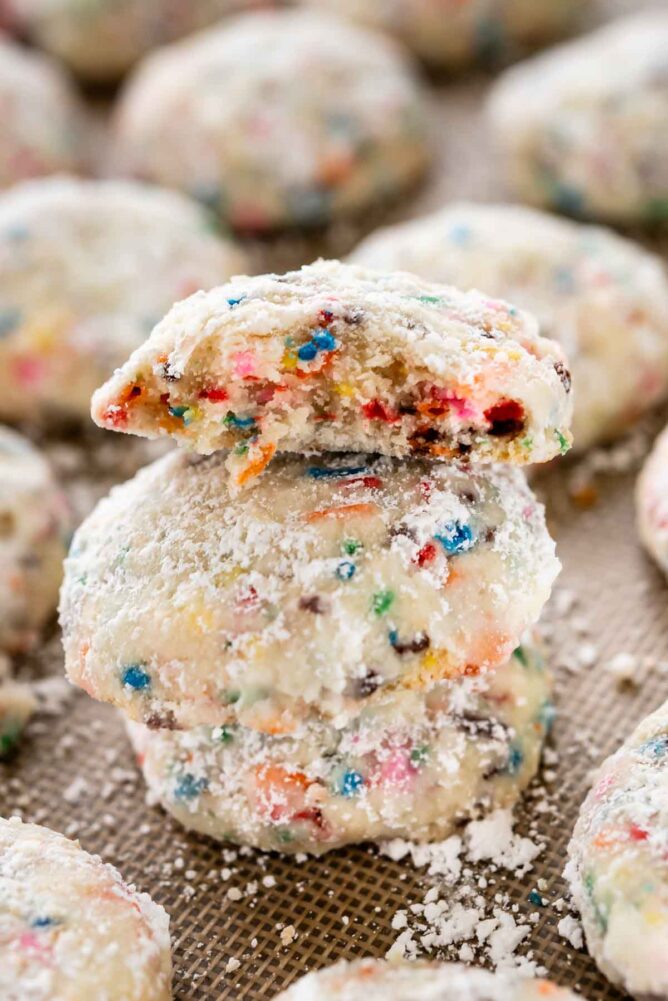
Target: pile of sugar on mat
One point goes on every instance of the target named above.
(315, 612)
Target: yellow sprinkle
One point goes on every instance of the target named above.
(343, 389)
(289, 360)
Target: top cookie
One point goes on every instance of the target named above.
(376, 980)
(71, 929)
(584, 128)
(339, 358)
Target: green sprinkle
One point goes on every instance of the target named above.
(241, 449)
(350, 546)
(432, 300)
(564, 443)
(419, 755)
(224, 734)
(285, 835)
(382, 602)
(527, 443)
(520, 654)
(231, 696)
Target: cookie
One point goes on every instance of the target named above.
(335, 357)
(42, 120)
(411, 765)
(603, 298)
(34, 529)
(452, 35)
(652, 502)
(326, 582)
(72, 930)
(100, 41)
(618, 867)
(86, 269)
(584, 128)
(283, 119)
(378, 980)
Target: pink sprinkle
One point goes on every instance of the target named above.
(29, 370)
(244, 363)
(29, 942)
(396, 770)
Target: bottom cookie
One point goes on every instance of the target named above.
(412, 765)
(71, 929)
(618, 868)
(377, 980)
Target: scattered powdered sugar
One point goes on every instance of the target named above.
(571, 929)
(454, 919)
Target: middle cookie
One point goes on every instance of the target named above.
(321, 585)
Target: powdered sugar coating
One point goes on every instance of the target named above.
(603, 298)
(86, 269)
(35, 523)
(652, 502)
(101, 40)
(335, 357)
(579, 134)
(323, 584)
(377, 980)
(327, 121)
(71, 929)
(411, 765)
(41, 117)
(618, 869)
(451, 34)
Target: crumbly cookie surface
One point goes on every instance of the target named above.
(652, 502)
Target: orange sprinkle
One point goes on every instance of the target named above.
(256, 467)
(342, 511)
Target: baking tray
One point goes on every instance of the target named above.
(74, 770)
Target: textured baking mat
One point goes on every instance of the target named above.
(275, 918)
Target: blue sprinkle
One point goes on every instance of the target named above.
(307, 352)
(178, 411)
(318, 473)
(9, 320)
(515, 759)
(536, 899)
(393, 636)
(655, 748)
(460, 234)
(455, 537)
(235, 302)
(351, 783)
(345, 570)
(568, 199)
(42, 922)
(547, 715)
(238, 422)
(189, 787)
(324, 340)
(136, 677)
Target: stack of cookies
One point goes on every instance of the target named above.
(313, 612)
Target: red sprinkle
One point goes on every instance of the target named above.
(217, 395)
(505, 417)
(426, 554)
(372, 482)
(638, 833)
(376, 410)
(115, 416)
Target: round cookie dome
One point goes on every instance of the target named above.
(86, 269)
(452, 34)
(322, 584)
(603, 298)
(378, 980)
(584, 128)
(328, 121)
(618, 868)
(652, 502)
(34, 525)
(101, 40)
(42, 127)
(411, 765)
(71, 928)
